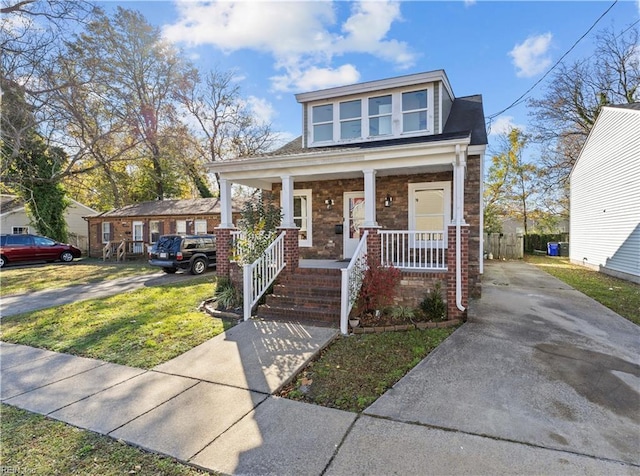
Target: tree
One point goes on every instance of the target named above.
(574, 96)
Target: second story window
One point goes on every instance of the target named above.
(322, 117)
(414, 111)
(350, 119)
(380, 116)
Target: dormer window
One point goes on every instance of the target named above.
(350, 119)
(380, 116)
(323, 123)
(414, 111)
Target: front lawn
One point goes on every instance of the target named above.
(618, 295)
(38, 278)
(141, 329)
(33, 444)
(354, 371)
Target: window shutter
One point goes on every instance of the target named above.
(172, 227)
(110, 231)
(145, 232)
(190, 227)
(161, 228)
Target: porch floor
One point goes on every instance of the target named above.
(322, 263)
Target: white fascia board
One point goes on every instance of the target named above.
(476, 150)
(360, 88)
(12, 211)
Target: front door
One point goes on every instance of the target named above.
(138, 237)
(353, 220)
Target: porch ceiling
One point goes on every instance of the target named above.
(263, 172)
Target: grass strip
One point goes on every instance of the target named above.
(142, 328)
(352, 372)
(34, 444)
(619, 295)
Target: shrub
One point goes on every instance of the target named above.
(433, 305)
(404, 313)
(227, 294)
(258, 223)
(378, 288)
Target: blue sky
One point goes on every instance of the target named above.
(277, 49)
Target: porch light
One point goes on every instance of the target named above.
(388, 200)
(329, 203)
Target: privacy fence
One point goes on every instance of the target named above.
(515, 245)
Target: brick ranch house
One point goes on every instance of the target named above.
(134, 227)
(390, 169)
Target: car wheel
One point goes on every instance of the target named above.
(198, 266)
(66, 256)
(3, 261)
(169, 270)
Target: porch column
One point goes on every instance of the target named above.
(452, 310)
(226, 218)
(224, 239)
(369, 198)
(287, 202)
(459, 168)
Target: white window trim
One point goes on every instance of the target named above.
(396, 117)
(107, 232)
(307, 193)
(178, 232)
(413, 187)
(14, 228)
(195, 227)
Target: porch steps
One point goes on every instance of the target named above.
(308, 294)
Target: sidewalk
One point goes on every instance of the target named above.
(213, 407)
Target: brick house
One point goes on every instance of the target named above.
(397, 160)
(141, 224)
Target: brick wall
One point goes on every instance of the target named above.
(472, 217)
(414, 287)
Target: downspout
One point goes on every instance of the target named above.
(459, 177)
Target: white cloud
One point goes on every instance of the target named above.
(263, 110)
(299, 35)
(468, 3)
(503, 125)
(531, 56)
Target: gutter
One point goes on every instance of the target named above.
(460, 183)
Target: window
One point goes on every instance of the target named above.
(380, 116)
(302, 215)
(42, 241)
(201, 227)
(350, 122)
(430, 209)
(20, 230)
(19, 240)
(414, 111)
(181, 227)
(322, 123)
(106, 232)
(154, 231)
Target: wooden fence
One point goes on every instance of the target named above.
(503, 246)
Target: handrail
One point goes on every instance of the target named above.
(419, 250)
(352, 277)
(106, 251)
(259, 275)
(122, 251)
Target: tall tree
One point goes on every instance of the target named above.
(574, 97)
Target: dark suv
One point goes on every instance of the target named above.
(16, 248)
(193, 252)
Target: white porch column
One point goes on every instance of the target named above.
(459, 168)
(369, 198)
(287, 202)
(226, 218)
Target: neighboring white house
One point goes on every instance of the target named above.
(14, 219)
(605, 195)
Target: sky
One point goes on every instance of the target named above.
(498, 49)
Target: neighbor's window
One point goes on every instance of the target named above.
(154, 231)
(20, 230)
(350, 119)
(302, 215)
(380, 116)
(181, 227)
(414, 111)
(322, 117)
(201, 227)
(106, 232)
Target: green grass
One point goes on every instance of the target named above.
(618, 295)
(354, 371)
(38, 278)
(33, 444)
(141, 329)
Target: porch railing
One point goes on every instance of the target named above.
(352, 277)
(419, 250)
(121, 250)
(259, 275)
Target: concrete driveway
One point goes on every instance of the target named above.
(539, 364)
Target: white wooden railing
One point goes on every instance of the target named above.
(258, 276)
(424, 250)
(235, 237)
(352, 277)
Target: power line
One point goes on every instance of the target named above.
(523, 96)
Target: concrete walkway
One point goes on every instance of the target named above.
(491, 400)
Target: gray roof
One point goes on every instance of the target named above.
(634, 105)
(467, 114)
(196, 206)
(9, 203)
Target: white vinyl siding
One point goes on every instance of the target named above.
(605, 195)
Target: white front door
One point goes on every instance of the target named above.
(353, 220)
(138, 237)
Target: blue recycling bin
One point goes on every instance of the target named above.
(553, 249)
